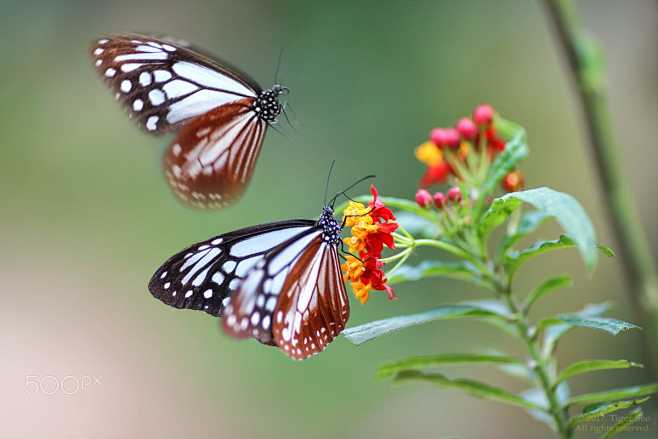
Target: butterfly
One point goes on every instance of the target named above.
(219, 113)
(280, 283)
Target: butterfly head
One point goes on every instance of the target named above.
(267, 105)
(330, 227)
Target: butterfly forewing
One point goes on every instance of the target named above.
(204, 275)
(313, 307)
(212, 158)
(162, 84)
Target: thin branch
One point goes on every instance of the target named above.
(587, 69)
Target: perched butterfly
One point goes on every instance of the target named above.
(280, 283)
(220, 113)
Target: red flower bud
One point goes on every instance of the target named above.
(483, 114)
(436, 174)
(423, 198)
(438, 137)
(513, 181)
(452, 137)
(466, 128)
(439, 199)
(455, 194)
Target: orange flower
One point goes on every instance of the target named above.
(372, 229)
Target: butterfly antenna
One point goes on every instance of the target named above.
(285, 115)
(271, 125)
(326, 185)
(278, 66)
(359, 181)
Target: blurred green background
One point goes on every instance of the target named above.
(86, 216)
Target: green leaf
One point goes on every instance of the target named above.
(593, 365)
(419, 227)
(472, 387)
(634, 392)
(611, 326)
(515, 151)
(563, 207)
(553, 333)
(427, 269)
(623, 424)
(530, 222)
(546, 287)
(369, 331)
(422, 362)
(598, 411)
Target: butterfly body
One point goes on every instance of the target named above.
(279, 283)
(220, 113)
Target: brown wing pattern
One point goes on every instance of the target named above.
(211, 161)
(313, 307)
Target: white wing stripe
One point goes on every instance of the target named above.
(210, 78)
(264, 241)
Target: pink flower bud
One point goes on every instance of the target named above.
(439, 199)
(423, 198)
(483, 114)
(455, 194)
(452, 137)
(438, 137)
(466, 128)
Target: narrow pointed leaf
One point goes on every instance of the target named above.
(624, 423)
(472, 387)
(363, 333)
(552, 334)
(541, 412)
(422, 362)
(611, 326)
(586, 366)
(633, 392)
(599, 410)
(546, 287)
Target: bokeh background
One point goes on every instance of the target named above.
(86, 217)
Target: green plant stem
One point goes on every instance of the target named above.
(588, 72)
(539, 363)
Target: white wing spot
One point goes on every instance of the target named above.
(162, 75)
(138, 104)
(177, 150)
(266, 322)
(156, 96)
(217, 242)
(126, 86)
(207, 294)
(255, 318)
(98, 51)
(167, 285)
(271, 303)
(218, 278)
(163, 275)
(151, 123)
(99, 62)
(110, 72)
(145, 79)
(103, 41)
(188, 294)
(168, 48)
(130, 67)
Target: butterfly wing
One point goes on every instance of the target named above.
(163, 83)
(212, 159)
(313, 307)
(203, 275)
(294, 298)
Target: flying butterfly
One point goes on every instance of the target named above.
(220, 114)
(279, 283)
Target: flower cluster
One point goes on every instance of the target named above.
(439, 199)
(372, 228)
(463, 151)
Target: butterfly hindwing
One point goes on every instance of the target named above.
(202, 276)
(162, 83)
(313, 307)
(212, 158)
